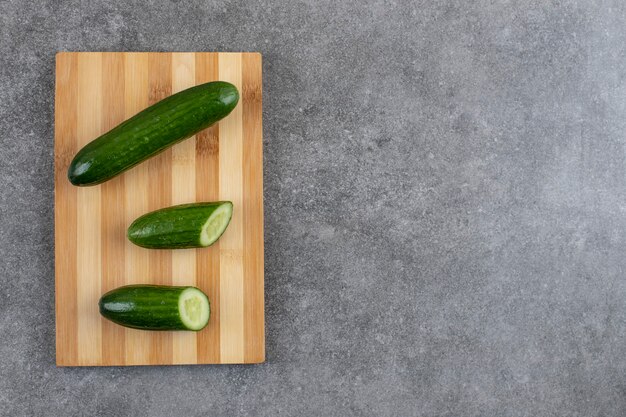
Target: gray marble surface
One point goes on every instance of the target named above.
(445, 188)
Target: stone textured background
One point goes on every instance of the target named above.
(445, 187)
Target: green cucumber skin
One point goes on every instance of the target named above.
(151, 131)
(146, 307)
(176, 227)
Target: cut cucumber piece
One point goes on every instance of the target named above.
(194, 308)
(156, 307)
(194, 225)
(151, 131)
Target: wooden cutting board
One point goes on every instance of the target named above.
(95, 92)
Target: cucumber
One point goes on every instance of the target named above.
(195, 225)
(151, 131)
(156, 307)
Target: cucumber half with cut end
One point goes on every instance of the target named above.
(195, 225)
(156, 307)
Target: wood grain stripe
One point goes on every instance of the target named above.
(89, 236)
(65, 146)
(207, 189)
(254, 329)
(113, 213)
(136, 98)
(160, 194)
(184, 191)
(231, 242)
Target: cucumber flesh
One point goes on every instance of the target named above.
(193, 307)
(216, 224)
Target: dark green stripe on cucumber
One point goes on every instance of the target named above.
(184, 226)
(156, 307)
(151, 131)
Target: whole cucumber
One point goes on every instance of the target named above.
(151, 131)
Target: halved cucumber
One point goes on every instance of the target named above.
(156, 307)
(194, 225)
